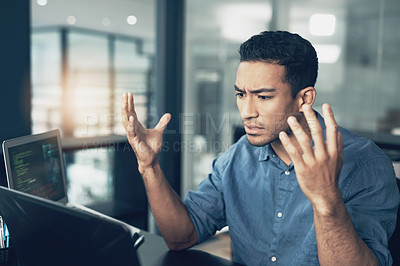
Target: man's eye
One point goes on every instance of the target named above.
(239, 94)
(262, 97)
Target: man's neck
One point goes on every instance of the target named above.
(281, 152)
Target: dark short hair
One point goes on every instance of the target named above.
(290, 50)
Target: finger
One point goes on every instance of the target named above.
(340, 159)
(302, 138)
(131, 105)
(315, 129)
(291, 149)
(340, 143)
(162, 124)
(130, 127)
(340, 146)
(124, 104)
(331, 129)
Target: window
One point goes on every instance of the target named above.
(83, 59)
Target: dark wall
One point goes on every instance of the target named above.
(15, 88)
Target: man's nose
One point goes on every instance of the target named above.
(249, 109)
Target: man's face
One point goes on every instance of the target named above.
(264, 101)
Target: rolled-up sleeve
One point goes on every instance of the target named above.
(206, 206)
(372, 199)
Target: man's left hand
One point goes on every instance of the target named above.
(317, 167)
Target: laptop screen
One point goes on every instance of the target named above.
(34, 165)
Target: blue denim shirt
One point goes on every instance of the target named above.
(271, 220)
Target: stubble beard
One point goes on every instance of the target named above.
(271, 134)
(268, 138)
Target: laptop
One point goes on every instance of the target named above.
(35, 165)
(45, 232)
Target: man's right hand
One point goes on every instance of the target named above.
(146, 143)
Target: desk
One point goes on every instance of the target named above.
(154, 252)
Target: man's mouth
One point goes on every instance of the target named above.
(253, 129)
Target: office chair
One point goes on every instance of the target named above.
(394, 242)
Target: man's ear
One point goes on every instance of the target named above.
(306, 96)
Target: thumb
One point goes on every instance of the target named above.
(162, 124)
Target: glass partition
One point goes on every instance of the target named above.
(90, 175)
(88, 90)
(356, 40)
(46, 81)
(84, 99)
(83, 59)
(356, 43)
(132, 73)
(214, 31)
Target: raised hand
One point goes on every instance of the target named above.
(146, 143)
(317, 167)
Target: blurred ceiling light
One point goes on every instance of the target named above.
(106, 22)
(71, 20)
(41, 2)
(322, 24)
(131, 20)
(327, 53)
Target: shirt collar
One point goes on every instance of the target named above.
(266, 151)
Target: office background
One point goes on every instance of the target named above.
(65, 64)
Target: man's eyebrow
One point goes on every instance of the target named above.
(257, 90)
(237, 88)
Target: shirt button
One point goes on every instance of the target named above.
(273, 258)
(280, 214)
(287, 172)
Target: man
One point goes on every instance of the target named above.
(296, 190)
